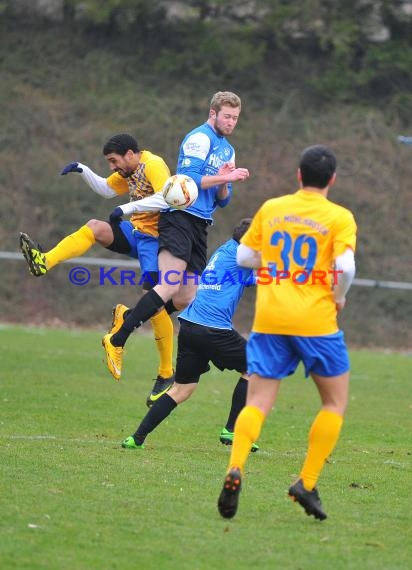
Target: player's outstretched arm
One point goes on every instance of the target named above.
(154, 203)
(97, 183)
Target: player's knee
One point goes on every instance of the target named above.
(179, 305)
(337, 406)
(166, 290)
(183, 298)
(101, 230)
(94, 225)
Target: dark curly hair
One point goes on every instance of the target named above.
(120, 144)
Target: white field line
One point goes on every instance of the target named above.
(58, 438)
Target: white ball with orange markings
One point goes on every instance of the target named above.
(180, 191)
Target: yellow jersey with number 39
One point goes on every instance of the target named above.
(148, 178)
(299, 237)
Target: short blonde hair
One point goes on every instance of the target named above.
(225, 98)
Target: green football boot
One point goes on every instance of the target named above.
(226, 437)
(129, 443)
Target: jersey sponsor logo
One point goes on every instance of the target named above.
(186, 162)
(215, 161)
(212, 287)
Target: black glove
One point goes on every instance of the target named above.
(116, 215)
(72, 167)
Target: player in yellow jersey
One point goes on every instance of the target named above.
(303, 245)
(138, 173)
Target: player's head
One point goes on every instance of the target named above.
(121, 152)
(224, 112)
(225, 99)
(241, 228)
(317, 167)
(120, 144)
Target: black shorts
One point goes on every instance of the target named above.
(197, 345)
(185, 236)
(120, 244)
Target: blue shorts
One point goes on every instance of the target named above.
(278, 355)
(142, 247)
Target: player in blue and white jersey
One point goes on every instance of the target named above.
(207, 335)
(203, 152)
(207, 157)
(220, 289)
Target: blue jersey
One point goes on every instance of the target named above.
(202, 153)
(221, 286)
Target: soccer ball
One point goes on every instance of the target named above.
(180, 191)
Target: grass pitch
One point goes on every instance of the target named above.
(71, 498)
